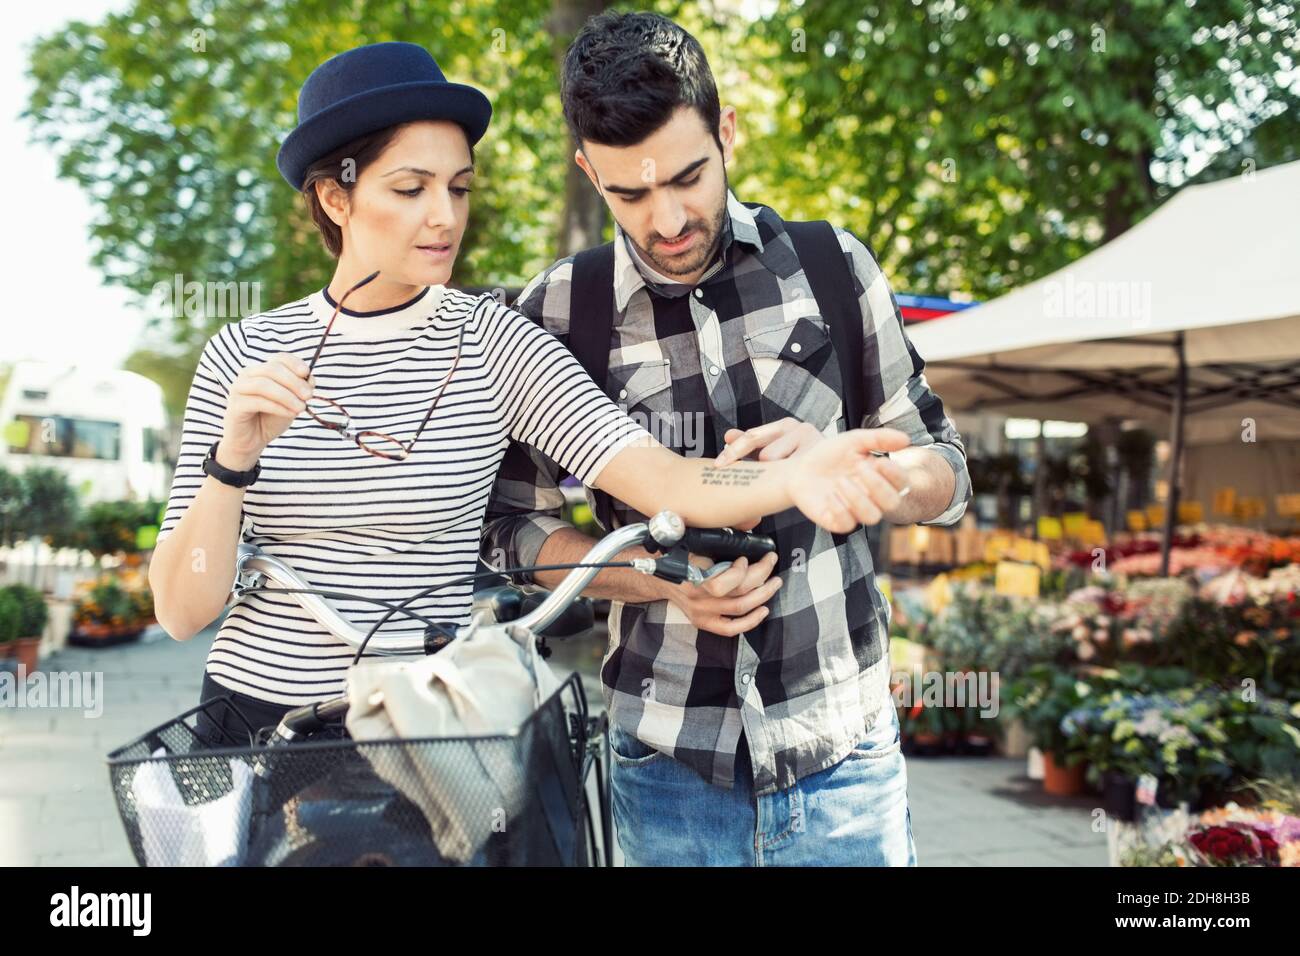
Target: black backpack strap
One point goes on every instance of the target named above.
(828, 273)
(591, 310)
(591, 326)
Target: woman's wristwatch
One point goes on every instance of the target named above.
(236, 479)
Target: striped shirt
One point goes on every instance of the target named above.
(744, 346)
(349, 521)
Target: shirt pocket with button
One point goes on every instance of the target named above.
(643, 392)
(794, 364)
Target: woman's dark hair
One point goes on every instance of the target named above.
(624, 75)
(363, 151)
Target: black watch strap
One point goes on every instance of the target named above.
(236, 479)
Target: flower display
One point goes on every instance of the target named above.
(1208, 553)
(113, 603)
(1230, 835)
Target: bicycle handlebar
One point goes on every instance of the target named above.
(254, 567)
(663, 533)
(722, 543)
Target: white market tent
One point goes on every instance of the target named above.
(1191, 319)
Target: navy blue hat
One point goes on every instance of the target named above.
(371, 88)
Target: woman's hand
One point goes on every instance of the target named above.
(264, 401)
(776, 440)
(839, 484)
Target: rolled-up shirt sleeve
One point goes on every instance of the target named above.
(897, 394)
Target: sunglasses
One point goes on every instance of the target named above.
(335, 417)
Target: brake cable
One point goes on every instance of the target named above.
(474, 577)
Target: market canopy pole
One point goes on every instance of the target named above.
(1175, 454)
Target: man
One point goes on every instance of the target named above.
(751, 721)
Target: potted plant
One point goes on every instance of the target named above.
(1262, 743)
(32, 617)
(107, 613)
(1176, 737)
(10, 615)
(13, 500)
(925, 729)
(50, 505)
(114, 528)
(1042, 699)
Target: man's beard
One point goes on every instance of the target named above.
(700, 253)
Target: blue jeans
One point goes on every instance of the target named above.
(854, 813)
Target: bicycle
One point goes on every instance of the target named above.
(305, 793)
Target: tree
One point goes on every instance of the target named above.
(979, 145)
(975, 145)
(169, 114)
(13, 499)
(50, 506)
(582, 222)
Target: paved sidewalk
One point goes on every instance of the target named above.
(56, 808)
(984, 811)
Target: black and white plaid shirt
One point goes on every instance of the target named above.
(743, 347)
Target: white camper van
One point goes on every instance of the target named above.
(104, 428)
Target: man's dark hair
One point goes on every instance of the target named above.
(625, 74)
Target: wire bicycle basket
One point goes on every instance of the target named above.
(515, 799)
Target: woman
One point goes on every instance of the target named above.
(383, 156)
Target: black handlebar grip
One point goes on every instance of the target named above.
(304, 719)
(723, 545)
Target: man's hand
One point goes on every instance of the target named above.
(773, 441)
(730, 603)
(866, 497)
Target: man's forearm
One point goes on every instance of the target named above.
(569, 546)
(932, 485)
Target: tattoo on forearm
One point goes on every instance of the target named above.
(738, 475)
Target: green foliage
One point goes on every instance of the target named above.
(41, 502)
(10, 617)
(1259, 642)
(169, 115)
(32, 612)
(933, 719)
(983, 631)
(109, 603)
(1279, 793)
(1195, 740)
(1042, 697)
(13, 497)
(981, 145)
(975, 146)
(1174, 737)
(49, 505)
(111, 527)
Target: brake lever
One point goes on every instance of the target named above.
(675, 566)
